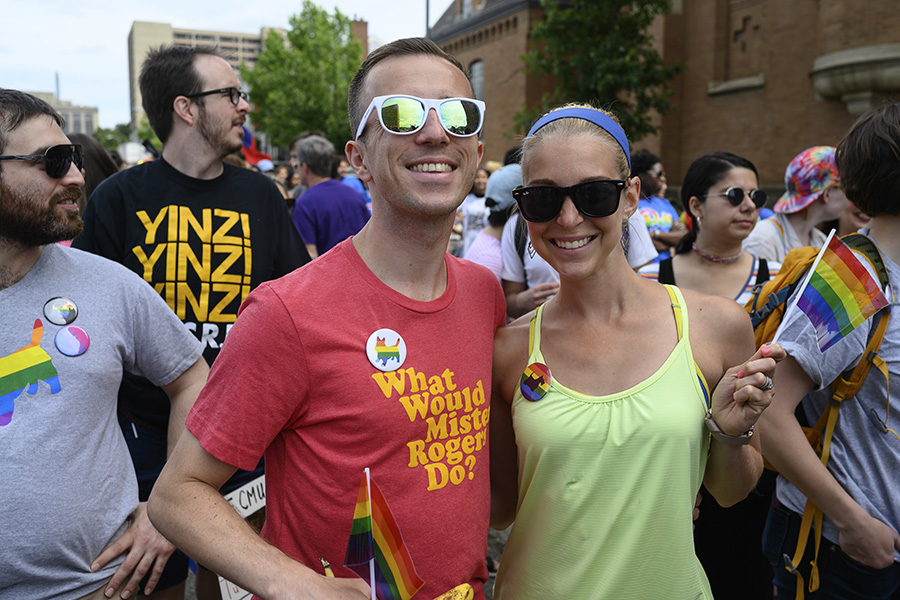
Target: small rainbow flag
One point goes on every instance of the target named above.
(376, 551)
(839, 294)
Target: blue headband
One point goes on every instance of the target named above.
(600, 119)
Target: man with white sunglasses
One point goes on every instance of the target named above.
(376, 355)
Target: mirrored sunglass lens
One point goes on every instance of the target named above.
(460, 117)
(402, 115)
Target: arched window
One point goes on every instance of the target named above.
(476, 72)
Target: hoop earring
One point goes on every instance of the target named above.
(625, 237)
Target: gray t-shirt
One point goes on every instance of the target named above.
(863, 460)
(68, 481)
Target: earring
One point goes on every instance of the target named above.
(625, 236)
(531, 250)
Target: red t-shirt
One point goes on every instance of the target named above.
(295, 381)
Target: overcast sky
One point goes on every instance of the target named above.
(85, 42)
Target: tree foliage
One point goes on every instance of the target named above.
(145, 132)
(112, 138)
(600, 51)
(300, 81)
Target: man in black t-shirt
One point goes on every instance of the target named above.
(202, 232)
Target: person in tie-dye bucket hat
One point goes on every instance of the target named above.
(813, 196)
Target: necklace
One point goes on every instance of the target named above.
(714, 257)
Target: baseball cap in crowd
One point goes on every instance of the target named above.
(265, 165)
(807, 177)
(498, 193)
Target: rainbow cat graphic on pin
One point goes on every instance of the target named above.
(385, 352)
(23, 370)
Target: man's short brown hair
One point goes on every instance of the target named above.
(169, 72)
(868, 159)
(402, 47)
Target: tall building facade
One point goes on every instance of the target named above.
(240, 47)
(79, 119)
(765, 79)
(489, 37)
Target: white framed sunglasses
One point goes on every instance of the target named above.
(405, 115)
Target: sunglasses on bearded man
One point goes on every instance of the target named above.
(56, 159)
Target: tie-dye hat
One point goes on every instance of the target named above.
(808, 175)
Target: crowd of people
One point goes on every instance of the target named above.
(553, 347)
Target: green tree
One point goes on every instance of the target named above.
(111, 138)
(299, 82)
(145, 132)
(600, 51)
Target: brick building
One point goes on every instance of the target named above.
(763, 78)
(488, 37)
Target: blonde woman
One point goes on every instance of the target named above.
(605, 397)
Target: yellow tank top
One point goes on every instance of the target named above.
(607, 484)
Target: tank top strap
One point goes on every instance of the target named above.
(534, 331)
(677, 302)
(681, 326)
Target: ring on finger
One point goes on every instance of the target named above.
(768, 385)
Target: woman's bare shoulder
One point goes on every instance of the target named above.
(511, 340)
(719, 324)
(510, 351)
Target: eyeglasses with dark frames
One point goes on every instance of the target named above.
(234, 94)
(735, 196)
(56, 159)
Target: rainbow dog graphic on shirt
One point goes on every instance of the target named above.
(23, 370)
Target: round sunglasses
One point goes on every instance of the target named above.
(56, 159)
(540, 203)
(735, 196)
(405, 115)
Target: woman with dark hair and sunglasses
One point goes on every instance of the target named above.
(615, 399)
(721, 194)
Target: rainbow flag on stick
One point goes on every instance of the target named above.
(376, 551)
(838, 294)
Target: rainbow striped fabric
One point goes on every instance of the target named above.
(840, 295)
(375, 539)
